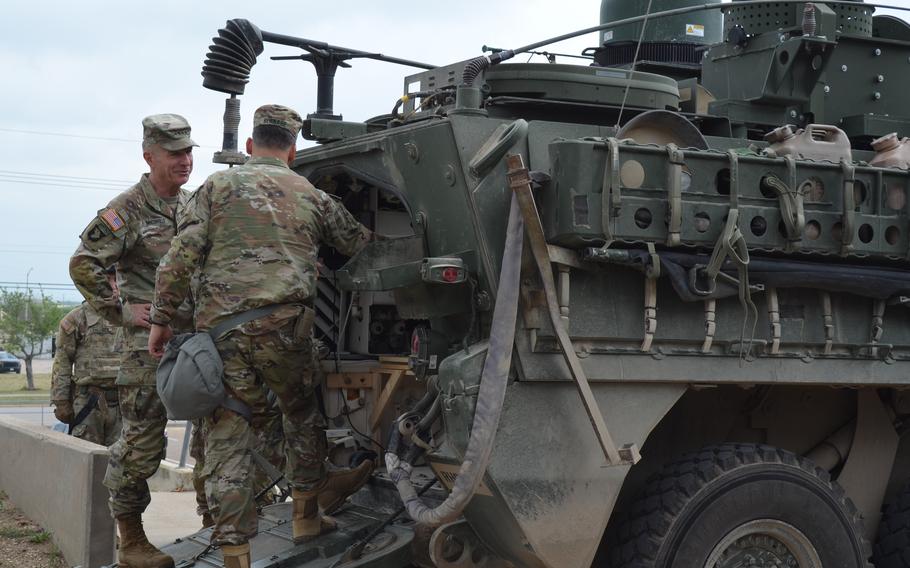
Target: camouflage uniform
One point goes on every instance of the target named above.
(86, 365)
(253, 232)
(269, 442)
(133, 232)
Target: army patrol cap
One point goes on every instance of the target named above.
(170, 131)
(280, 116)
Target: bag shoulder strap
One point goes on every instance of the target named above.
(239, 407)
(242, 318)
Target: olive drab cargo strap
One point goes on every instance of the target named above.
(849, 204)
(731, 245)
(877, 328)
(675, 159)
(710, 324)
(774, 320)
(520, 184)
(611, 194)
(563, 292)
(828, 318)
(791, 201)
(652, 274)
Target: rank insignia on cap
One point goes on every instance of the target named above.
(112, 220)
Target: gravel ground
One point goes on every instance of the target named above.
(23, 543)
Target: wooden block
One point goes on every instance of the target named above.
(350, 380)
(393, 359)
(390, 387)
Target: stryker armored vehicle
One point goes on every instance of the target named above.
(650, 310)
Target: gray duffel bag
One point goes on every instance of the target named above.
(189, 375)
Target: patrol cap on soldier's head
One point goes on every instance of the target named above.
(280, 116)
(170, 131)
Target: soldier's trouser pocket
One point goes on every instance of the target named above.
(304, 326)
(135, 456)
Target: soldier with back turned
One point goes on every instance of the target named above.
(253, 233)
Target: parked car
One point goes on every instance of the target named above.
(9, 363)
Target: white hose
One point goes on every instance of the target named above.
(493, 382)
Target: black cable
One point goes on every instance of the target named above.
(355, 551)
(346, 410)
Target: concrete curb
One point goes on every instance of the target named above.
(171, 477)
(55, 480)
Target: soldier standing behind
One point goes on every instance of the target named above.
(253, 232)
(132, 233)
(85, 366)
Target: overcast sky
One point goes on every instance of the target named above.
(78, 77)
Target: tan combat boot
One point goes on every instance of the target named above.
(339, 485)
(307, 522)
(135, 549)
(236, 555)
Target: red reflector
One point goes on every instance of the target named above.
(450, 274)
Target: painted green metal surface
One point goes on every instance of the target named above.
(610, 208)
(700, 28)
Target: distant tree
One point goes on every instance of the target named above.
(26, 323)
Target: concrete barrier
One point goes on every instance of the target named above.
(171, 477)
(55, 480)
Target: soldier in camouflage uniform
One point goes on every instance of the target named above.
(269, 442)
(132, 233)
(85, 366)
(253, 233)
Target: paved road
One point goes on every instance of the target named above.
(44, 416)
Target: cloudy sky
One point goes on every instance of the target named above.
(79, 77)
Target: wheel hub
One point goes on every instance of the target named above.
(764, 543)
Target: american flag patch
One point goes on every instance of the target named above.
(112, 219)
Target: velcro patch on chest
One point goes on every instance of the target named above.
(113, 220)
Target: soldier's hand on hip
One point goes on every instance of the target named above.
(158, 338)
(138, 315)
(63, 410)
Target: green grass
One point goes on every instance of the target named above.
(13, 383)
(55, 555)
(40, 537)
(16, 532)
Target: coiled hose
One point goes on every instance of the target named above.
(488, 411)
(475, 67)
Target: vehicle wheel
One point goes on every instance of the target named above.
(742, 505)
(892, 547)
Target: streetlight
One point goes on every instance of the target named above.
(28, 291)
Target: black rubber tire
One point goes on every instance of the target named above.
(892, 547)
(686, 510)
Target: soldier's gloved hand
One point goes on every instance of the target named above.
(63, 410)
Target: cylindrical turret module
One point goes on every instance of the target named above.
(703, 27)
(672, 40)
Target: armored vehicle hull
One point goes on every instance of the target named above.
(639, 331)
